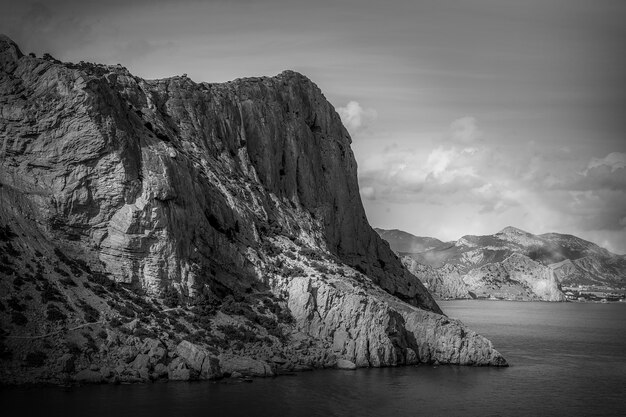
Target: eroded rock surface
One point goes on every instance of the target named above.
(236, 205)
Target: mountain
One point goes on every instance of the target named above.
(167, 229)
(404, 242)
(514, 264)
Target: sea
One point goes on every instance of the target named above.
(566, 359)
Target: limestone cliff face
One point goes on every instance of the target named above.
(170, 184)
(445, 282)
(516, 278)
(164, 177)
(370, 329)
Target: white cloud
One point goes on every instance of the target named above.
(467, 182)
(355, 118)
(368, 193)
(614, 160)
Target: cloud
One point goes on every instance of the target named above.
(355, 118)
(614, 161)
(464, 130)
(368, 193)
(531, 186)
(447, 174)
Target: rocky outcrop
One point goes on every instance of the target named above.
(444, 283)
(242, 366)
(199, 359)
(368, 328)
(516, 278)
(122, 196)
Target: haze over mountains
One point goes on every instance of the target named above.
(511, 264)
(168, 229)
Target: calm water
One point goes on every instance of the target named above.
(566, 359)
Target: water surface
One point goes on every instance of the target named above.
(566, 359)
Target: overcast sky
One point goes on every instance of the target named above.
(466, 116)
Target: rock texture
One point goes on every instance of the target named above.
(513, 264)
(516, 278)
(235, 205)
(444, 283)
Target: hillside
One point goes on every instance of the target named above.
(167, 229)
(404, 242)
(489, 265)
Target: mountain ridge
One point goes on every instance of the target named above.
(561, 259)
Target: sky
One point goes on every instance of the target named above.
(466, 116)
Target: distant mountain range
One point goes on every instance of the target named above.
(511, 264)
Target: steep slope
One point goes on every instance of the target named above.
(164, 228)
(516, 278)
(444, 283)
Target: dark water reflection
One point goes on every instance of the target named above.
(566, 359)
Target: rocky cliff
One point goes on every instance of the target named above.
(165, 228)
(444, 282)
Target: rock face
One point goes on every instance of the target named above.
(373, 329)
(210, 197)
(199, 360)
(444, 283)
(516, 278)
(512, 264)
(164, 178)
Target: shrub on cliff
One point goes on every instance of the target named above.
(294, 271)
(53, 313)
(171, 298)
(6, 233)
(49, 292)
(91, 314)
(102, 279)
(320, 267)
(18, 318)
(242, 334)
(238, 308)
(314, 254)
(35, 359)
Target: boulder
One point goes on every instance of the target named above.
(155, 350)
(159, 371)
(199, 360)
(87, 376)
(142, 361)
(345, 364)
(177, 370)
(66, 363)
(244, 366)
(128, 353)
